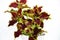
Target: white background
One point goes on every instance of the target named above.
(52, 25)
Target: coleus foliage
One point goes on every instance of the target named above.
(25, 25)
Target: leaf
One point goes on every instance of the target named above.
(33, 26)
(16, 34)
(13, 14)
(41, 24)
(29, 22)
(31, 38)
(37, 21)
(36, 31)
(39, 9)
(23, 1)
(19, 12)
(13, 4)
(44, 15)
(20, 20)
(22, 26)
(12, 22)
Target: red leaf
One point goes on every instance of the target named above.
(12, 22)
(29, 21)
(39, 9)
(23, 1)
(14, 4)
(36, 31)
(44, 15)
(14, 14)
(23, 26)
(37, 21)
(16, 34)
(36, 9)
(19, 12)
(41, 24)
(31, 38)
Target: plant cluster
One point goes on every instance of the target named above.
(29, 20)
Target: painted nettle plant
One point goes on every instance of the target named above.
(29, 21)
